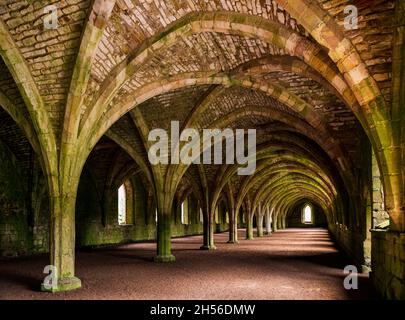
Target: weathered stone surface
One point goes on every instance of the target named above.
(315, 92)
(388, 263)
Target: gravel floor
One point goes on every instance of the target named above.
(290, 264)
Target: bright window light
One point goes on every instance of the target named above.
(307, 214)
(182, 213)
(122, 205)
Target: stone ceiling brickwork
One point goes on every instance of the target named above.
(374, 36)
(9, 87)
(279, 80)
(12, 136)
(50, 54)
(175, 105)
(84, 97)
(134, 21)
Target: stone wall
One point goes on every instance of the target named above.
(350, 242)
(24, 219)
(388, 263)
(24, 214)
(90, 230)
(379, 213)
(14, 230)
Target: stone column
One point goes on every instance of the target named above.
(249, 226)
(62, 245)
(164, 213)
(396, 175)
(388, 246)
(233, 228)
(208, 232)
(283, 223)
(274, 222)
(279, 223)
(259, 221)
(267, 221)
(164, 244)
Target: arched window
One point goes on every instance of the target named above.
(201, 215)
(307, 214)
(125, 204)
(122, 205)
(184, 211)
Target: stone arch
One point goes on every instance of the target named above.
(18, 68)
(382, 131)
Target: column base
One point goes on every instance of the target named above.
(233, 241)
(164, 259)
(65, 284)
(205, 247)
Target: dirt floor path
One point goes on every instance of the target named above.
(289, 264)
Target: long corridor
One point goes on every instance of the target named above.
(289, 264)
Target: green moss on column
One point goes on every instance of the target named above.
(164, 249)
(208, 233)
(267, 222)
(233, 228)
(62, 243)
(249, 227)
(259, 220)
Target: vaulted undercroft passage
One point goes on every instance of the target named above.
(263, 268)
(80, 100)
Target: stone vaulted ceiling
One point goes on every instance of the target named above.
(113, 70)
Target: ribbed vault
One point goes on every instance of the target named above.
(85, 96)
